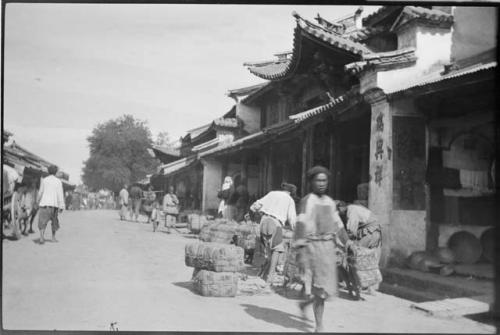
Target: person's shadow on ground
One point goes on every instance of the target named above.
(278, 317)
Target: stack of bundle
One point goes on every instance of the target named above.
(220, 231)
(215, 266)
(247, 234)
(364, 262)
(196, 222)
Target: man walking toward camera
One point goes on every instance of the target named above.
(50, 203)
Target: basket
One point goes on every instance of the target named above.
(364, 262)
(216, 284)
(214, 256)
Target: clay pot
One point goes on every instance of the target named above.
(445, 255)
(488, 244)
(466, 247)
(415, 259)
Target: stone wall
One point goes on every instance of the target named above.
(250, 117)
(407, 234)
(474, 31)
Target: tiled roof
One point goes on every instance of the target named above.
(437, 76)
(350, 96)
(363, 33)
(390, 58)
(434, 16)
(332, 38)
(234, 144)
(281, 68)
(177, 166)
(227, 122)
(379, 14)
(167, 150)
(245, 90)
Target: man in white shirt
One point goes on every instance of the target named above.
(50, 203)
(276, 208)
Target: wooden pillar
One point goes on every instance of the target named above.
(244, 167)
(303, 184)
(331, 164)
(337, 177)
(270, 167)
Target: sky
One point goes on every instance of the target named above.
(69, 67)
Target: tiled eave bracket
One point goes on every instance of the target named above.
(336, 106)
(383, 61)
(284, 68)
(423, 16)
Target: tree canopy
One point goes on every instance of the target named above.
(118, 154)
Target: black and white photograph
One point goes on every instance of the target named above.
(249, 167)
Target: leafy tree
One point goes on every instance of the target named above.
(163, 139)
(118, 154)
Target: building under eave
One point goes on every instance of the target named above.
(30, 166)
(387, 106)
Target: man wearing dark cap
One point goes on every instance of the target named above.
(319, 229)
(50, 202)
(276, 208)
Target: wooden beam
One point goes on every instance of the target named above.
(304, 165)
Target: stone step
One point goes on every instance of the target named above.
(430, 283)
(452, 307)
(409, 293)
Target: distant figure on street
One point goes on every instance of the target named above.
(170, 208)
(123, 195)
(50, 203)
(149, 203)
(363, 228)
(227, 206)
(69, 199)
(318, 229)
(135, 196)
(242, 200)
(17, 209)
(276, 209)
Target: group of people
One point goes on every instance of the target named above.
(321, 226)
(47, 202)
(133, 201)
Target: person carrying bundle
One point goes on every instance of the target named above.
(363, 228)
(276, 208)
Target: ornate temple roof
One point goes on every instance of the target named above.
(283, 67)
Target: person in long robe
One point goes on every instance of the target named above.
(319, 230)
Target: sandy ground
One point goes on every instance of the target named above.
(103, 270)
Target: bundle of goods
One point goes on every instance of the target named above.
(196, 222)
(216, 267)
(216, 284)
(364, 263)
(248, 234)
(291, 269)
(220, 231)
(214, 256)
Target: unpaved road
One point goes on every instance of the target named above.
(103, 270)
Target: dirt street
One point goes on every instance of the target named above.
(103, 270)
